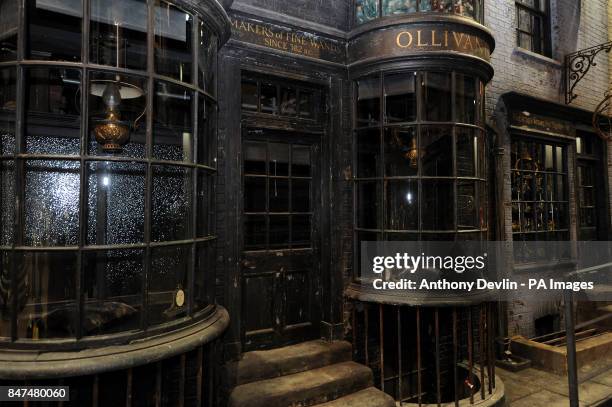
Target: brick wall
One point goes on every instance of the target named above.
(575, 25)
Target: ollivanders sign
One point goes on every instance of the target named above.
(398, 41)
(286, 39)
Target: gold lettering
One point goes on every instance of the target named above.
(468, 42)
(433, 39)
(458, 38)
(446, 38)
(404, 42)
(419, 43)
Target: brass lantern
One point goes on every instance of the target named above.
(110, 130)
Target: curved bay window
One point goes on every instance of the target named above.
(419, 157)
(367, 10)
(420, 174)
(107, 162)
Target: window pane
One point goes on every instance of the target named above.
(308, 104)
(5, 299)
(367, 205)
(255, 158)
(438, 211)
(559, 161)
(207, 61)
(401, 152)
(467, 144)
(116, 203)
(526, 41)
(54, 29)
(53, 123)
(279, 195)
(206, 204)
(7, 202)
(466, 99)
(279, 159)
(172, 203)
(279, 231)
(301, 229)
(119, 33)
(49, 309)
(366, 10)
(254, 232)
(300, 164)
(207, 130)
(168, 291)
(391, 7)
(249, 95)
(402, 205)
(173, 42)
(368, 153)
(112, 292)
(173, 126)
(269, 98)
(400, 97)
(52, 203)
(437, 151)
(122, 97)
(254, 194)
(8, 104)
(204, 273)
(8, 30)
(300, 195)
(437, 97)
(525, 22)
(466, 205)
(368, 101)
(467, 8)
(288, 101)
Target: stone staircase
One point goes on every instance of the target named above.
(307, 374)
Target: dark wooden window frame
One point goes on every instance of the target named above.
(537, 234)
(479, 179)
(544, 37)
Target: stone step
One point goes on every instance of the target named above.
(370, 397)
(304, 389)
(268, 364)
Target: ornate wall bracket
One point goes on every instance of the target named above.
(602, 122)
(577, 65)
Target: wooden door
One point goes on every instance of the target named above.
(280, 263)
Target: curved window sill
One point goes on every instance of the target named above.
(32, 365)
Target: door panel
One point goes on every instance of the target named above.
(280, 270)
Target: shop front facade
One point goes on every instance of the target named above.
(208, 198)
(108, 165)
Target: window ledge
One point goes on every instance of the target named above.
(537, 57)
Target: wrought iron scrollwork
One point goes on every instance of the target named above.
(577, 65)
(602, 122)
